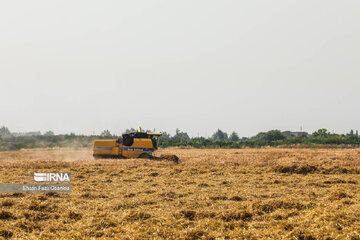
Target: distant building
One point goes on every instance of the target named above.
(289, 134)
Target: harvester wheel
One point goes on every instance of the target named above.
(128, 140)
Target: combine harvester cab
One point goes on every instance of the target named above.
(133, 145)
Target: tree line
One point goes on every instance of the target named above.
(274, 138)
(220, 139)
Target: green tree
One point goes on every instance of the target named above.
(182, 136)
(321, 133)
(49, 133)
(165, 136)
(234, 137)
(272, 135)
(106, 133)
(219, 136)
(131, 130)
(5, 132)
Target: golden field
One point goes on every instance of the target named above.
(211, 194)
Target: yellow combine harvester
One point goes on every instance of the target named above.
(133, 145)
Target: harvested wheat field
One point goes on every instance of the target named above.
(210, 194)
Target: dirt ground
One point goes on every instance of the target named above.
(211, 194)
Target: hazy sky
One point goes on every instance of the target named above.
(248, 66)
